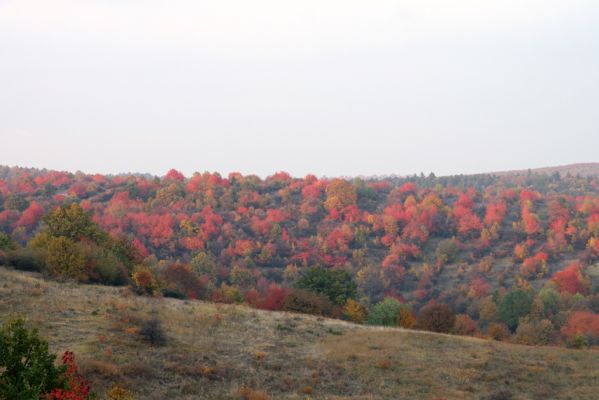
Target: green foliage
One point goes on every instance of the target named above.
(65, 258)
(513, 306)
(203, 264)
(578, 341)
(26, 366)
(16, 202)
(551, 300)
(337, 285)
(72, 222)
(386, 312)
(6, 242)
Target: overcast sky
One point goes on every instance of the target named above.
(330, 87)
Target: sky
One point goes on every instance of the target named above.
(329, 87)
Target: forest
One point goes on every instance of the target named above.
(508, 257)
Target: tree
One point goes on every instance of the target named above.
(436, 318)
(73, 223)
(65, 258)
(514, 305)
(354, 311)
(571, 280)
(386, 312)
(77, 387)
(340, 194)
(337, 285)
(27, 368)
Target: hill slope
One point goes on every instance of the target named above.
(582, 169)
(213, 350)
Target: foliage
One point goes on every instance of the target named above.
(514, 305)
(304, 301)
(354, 311)
(27, 368)
(436, 318)
(65, 258)
(117, 392)
(77, 388)
(386, 312)
(337, 285)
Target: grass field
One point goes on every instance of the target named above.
(214, 351)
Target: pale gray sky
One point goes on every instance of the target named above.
(335, 87)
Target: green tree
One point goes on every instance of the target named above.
(26, 366)
(72, 222)
(514, 305)
(337, 285)
(385, 312)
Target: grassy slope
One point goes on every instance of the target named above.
(214, 349)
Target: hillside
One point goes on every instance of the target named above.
(582, 169)
(212, 350)
(474, 244)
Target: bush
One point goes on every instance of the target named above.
(385, 313)
(119, 393)
(152, 332)
(354, 311)
(436, 318)
(464, 325)
(144, 281)
(498, 331)
(27, 368)
(65, 258)
(304, 301)
(26, 259)
(335, 284)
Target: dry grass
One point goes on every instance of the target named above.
(227, 352)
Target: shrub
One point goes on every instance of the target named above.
(144, 281)
(464, 325)
(152, 332)
(385, 312)
(307, 302)
(65, 258)
(578, 341)
(335, 284)
(26, 259)
(102, 265)
(119, 393)
(354, 311)
(436, 318)
(405, 318)
(179, 280)
(77, 386)
(498, 331)
(27, 368)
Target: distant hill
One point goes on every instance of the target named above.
(213, 351)
(582, 169)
